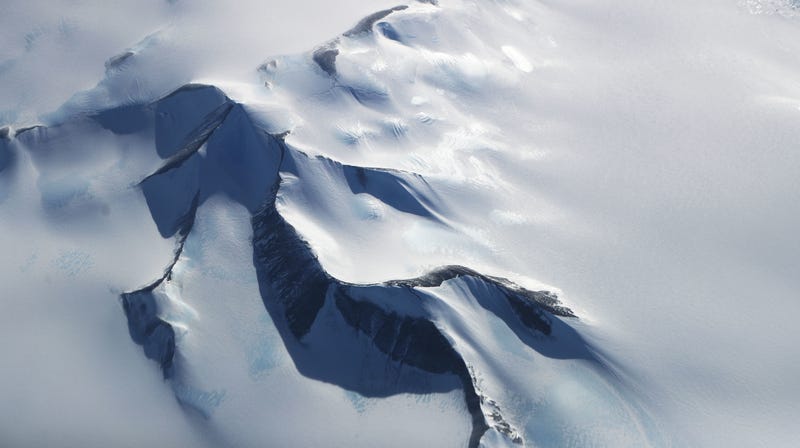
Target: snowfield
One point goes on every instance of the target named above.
(441, 223)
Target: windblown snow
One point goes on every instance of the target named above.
(440, 223)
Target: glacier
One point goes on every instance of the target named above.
(442, 223)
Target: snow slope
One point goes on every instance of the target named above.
(245, 205)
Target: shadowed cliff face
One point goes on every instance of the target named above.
(395, 317)
(147, 329)
(378, 339)
(6, 156)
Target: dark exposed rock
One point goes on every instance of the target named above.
(409, 340)
(118, 60)
(285, 264)
(197, 138)
(148, 330)
(179, 116)
(6, 154)
(295, 288)
(416, 342)
(325, 58)
(365, 24)
(156, 336)
(27, 129)
(532, 303)
(435, 277)
(530, 314)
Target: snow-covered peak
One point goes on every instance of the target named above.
(437, 223)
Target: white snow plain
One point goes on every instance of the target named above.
(642, 158)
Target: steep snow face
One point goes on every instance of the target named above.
(379, 341)
(213, 186)
(641, 157)
(254, 224)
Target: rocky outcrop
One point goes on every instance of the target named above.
(365, 25)
(155, 335)
(294, 286)
(288, 272)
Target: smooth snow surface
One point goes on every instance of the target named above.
(639, 159)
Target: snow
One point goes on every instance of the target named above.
(640, 158)
(54, 50)
(235, 369)
(518, 59)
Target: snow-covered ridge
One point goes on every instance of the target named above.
(256, 221)
(294, 286)
(426, 336)
(401, 337)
